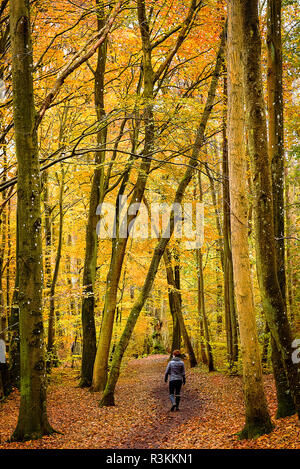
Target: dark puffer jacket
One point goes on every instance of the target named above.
(176, 370)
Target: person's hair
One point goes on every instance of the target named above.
(176, 353)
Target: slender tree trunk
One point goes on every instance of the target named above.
(214, 197)
(276, 155)
(3, 236)
(52, 358)
(118, 250)
(72, 304)
(292, 249)
(48, 254)
(264, 353)
(96, 198)
(178, 288)
(101, 361)
(48, 231)
(257, 416)
(177, 305)
(32, 421)
(202, 312)
(176, 333)
(201, 297)
(273, 303)
(8, 268)
(108, 395)
(14, 329)
(229, 300)
(289, 251)
(219, 249)
(275, 132)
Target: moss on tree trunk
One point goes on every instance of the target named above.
(273, 303)
(257, 416)
(32, 421)
(276, 156)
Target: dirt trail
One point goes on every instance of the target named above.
(161, 423)
(212, 412)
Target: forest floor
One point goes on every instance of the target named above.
(211, 413)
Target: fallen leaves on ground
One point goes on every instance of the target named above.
(211, 414)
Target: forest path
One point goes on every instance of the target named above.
(211, 414)
(160, 423)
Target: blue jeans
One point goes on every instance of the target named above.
(174, 388)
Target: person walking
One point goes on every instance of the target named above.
(176, 371)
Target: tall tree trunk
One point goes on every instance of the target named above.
(32, 421)
(8, 289)
(72, 304)
(201, 298)
(14, 329)
(176, 333)
(48, 231)
(229, 300)
(52, 358)
(257, 416)
(96, 198)
(108, 395)
(177, 307)
(3, 235)
(202, 312)
(289, 251)
(178, 288)
(273, 304)
(48, 253)
(276, 156)
(150, 78)
(275, 132)
(119, 246)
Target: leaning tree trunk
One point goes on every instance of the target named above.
(108, 395)
(119, 247)
(273, 304)
(32, 422)
(257, 416)
(150, 78)
(276, 155)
